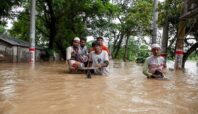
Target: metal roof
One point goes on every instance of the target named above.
(16, 42)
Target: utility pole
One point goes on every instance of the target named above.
(32, 32)
(154, 25)
(164, 42)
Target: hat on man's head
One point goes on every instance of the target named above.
(76, 39)
(155, 46)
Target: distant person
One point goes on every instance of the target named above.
(74, 58)
(100, 59)
(154, 65)
(84, 50)
(92, 46)
(83, 47)
(103, 47)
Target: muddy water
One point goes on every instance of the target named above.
(48, 89)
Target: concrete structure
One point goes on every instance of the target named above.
(16, 50)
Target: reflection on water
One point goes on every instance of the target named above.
(48, 89)
(8, 84)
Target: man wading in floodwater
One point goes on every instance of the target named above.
(103, 47)
(154, 65)
(75, 59)
(99, 59)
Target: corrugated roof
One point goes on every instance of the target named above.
(16, 42)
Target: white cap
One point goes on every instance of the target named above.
(77, 39)
(155, 46)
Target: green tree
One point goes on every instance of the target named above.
(5, 9)
(172, 18)
(2, 29)
(58, 21)
(134, 21)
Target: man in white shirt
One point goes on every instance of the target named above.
(100, 59)
(74, 58)
(154, 65)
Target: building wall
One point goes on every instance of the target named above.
(16, 53)
(23, 54)
(7, 51)
(38, 55)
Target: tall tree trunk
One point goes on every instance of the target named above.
(165, 38)
(180, 39)
(126, 48)
(62, 49)
(115, 43)
(52, 24)
(155, 17)
(189, 51)
(181, 35)
(119, 45)
(180, 44)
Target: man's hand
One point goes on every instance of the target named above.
(99, 65)
(156, 76)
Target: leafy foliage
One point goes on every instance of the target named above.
(59, 21)
(5, 8)
(2, 29)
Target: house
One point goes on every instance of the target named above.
(16, 50)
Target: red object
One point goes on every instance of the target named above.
(32, 49)
(75, 66)
(105, 48)
(179, 52)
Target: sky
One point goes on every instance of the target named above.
(9, 21)
(161, 0)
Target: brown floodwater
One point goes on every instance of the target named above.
(49, 89)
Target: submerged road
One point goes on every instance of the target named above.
(48, 89)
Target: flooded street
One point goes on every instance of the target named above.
(48, 89)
